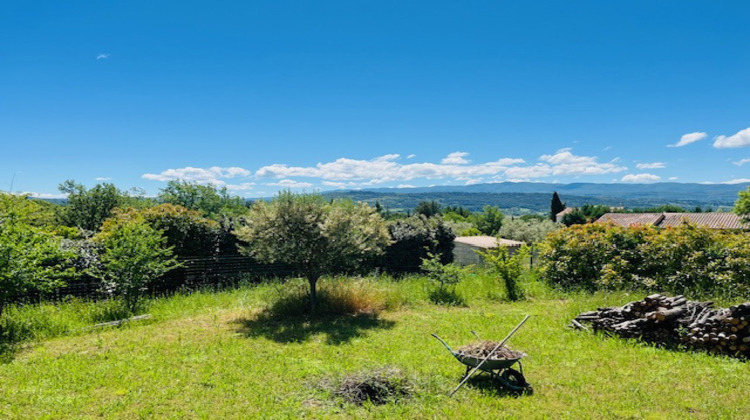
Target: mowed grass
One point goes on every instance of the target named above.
(216, 355)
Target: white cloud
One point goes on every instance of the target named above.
(739, 139)
(356, 173)
(102, 56)
(405, 186)
(383, 169)
(43, 195)
(334, 184)
(240, 187)
(212, 175)
(741, 162)
(525, 172)
(290, 183)
(411, 156)
(737, 181)
(689, 138)
(472, 181)
(564, 162)
(455, 158)
(673, 178)
(387, 158)
(640, 178)
(102, 178)
(652, 165)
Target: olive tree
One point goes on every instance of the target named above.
(313, 236)
(530, 231)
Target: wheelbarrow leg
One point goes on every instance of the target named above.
(468, 369)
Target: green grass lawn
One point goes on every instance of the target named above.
(209, 355)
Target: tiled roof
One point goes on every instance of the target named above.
(630, 219)
(485, 241)
(709, 220)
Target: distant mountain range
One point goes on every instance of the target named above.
(531, 197)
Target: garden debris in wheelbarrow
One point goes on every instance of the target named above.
(483, 349)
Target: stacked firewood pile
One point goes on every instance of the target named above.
(676, 320)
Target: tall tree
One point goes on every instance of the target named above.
(314, 236)
(428, 208)
(556, 206)
(213, 202)
(742, 206)
(87, 209)
(489, 221)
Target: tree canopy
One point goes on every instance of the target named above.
(556, 206)
(489, 221)
(742, 206)
(313, 236)
(213, 202)
(135, 255)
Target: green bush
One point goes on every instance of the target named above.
(413, 238)
(135, 255)
(508, 267)
(446, 277)
(187, 231)
(31, 260)
(686, 259)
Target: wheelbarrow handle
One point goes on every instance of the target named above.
(444, 343)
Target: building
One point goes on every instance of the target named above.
(559, 216)
(466, 247)
(710, 220)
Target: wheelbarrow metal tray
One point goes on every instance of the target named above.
(490, 364)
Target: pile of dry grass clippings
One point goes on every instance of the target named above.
(483, 349)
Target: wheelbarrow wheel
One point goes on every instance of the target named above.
(515, 381)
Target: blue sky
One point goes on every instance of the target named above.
(260, 96)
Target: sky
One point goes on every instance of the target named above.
(262, 96)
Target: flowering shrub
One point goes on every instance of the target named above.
(685, 259)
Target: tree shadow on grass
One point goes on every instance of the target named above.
(339, 316)
(8, 352)
(338, 329)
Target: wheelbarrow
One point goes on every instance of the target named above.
(499, 369)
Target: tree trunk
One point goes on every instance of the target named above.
(313, 280)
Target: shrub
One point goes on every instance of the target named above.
(186, 231)
(30, 259)
(508, 267)
(134, 256)
(685, 259)
(530, 231)
(413, 238)
(446, 276)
